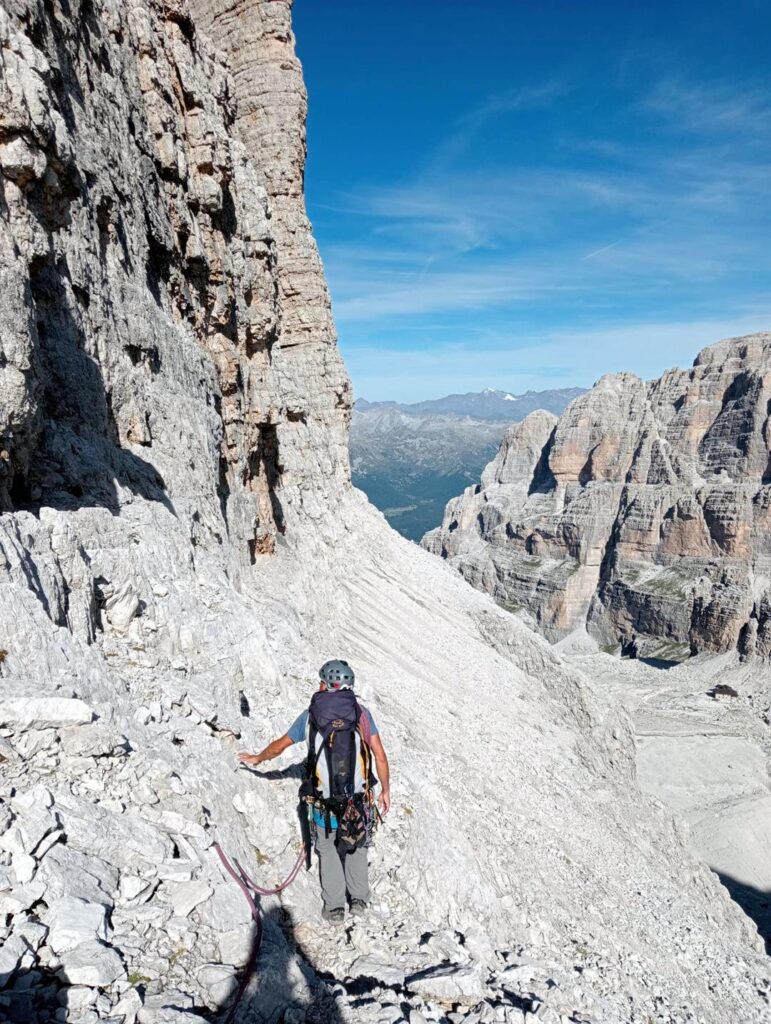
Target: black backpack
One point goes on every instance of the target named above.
(335, 735)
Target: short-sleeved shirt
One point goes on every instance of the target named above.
(296, 731)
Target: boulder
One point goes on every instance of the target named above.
(450, 984)
(219, 981)
(186, 896)
(92, 964)
(44, 713)
(389, 974)
(14, 952)
(72, 921)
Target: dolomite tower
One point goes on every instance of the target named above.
(641, 513)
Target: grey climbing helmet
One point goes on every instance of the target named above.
(337, 675)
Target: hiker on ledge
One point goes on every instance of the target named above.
(339, 785)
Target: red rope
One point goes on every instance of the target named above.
(279, 888)
(245, 883)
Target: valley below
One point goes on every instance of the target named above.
(410, 460)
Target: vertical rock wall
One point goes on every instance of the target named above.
(314, 395)
(149, 267)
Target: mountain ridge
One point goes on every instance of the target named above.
(640, 512)
(490, 403)
(411, 459)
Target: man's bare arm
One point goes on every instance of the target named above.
(383, 774)
(272, 750)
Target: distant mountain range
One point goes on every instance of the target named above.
(489, 404)
(410, 459)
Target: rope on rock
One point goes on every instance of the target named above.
(247, 886)
(280, 888)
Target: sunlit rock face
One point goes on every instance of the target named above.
(167, 328)
(643, 512)
(180, 549)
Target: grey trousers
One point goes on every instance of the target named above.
(341, 872)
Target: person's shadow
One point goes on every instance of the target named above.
(292, 771)
(284, 986)
(277, 979)
(30, 994)
(283, 980)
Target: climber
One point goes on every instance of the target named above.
(339, 785)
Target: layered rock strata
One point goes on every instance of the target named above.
(148, 264)
(180, 549)
(642, 512)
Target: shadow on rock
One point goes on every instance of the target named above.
(80, 455)
(661, 663)
(284, 987)
(754, 902)
(292, 771)
(32, 995)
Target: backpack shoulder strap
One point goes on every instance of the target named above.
(313, 754)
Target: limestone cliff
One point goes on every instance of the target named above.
(155, 279)
(179, 550)
(642, 512)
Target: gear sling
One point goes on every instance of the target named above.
(338, 780)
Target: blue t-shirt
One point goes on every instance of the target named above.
(296, 734)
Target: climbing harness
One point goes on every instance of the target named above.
(357, 819)
(247, 887)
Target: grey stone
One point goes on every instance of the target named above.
(91, 964)
(68, 872)
(128, 1006)
(219, 980)
(450, 984)
(186, 896)
(44, 713)
(371, 967)
(12, 953)
(72, 921)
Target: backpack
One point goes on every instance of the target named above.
(338, 778)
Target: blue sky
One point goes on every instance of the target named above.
(531, 193)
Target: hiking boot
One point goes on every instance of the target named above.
(336, 916)
(358, 907)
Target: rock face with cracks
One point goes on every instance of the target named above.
(641, 513)
(181, 548)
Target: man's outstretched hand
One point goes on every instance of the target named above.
(384, 803)
(252, 759)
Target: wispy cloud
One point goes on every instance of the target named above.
(601, 251)
(470, 123)
(472, 273)
(553, 359)
(712, 107)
